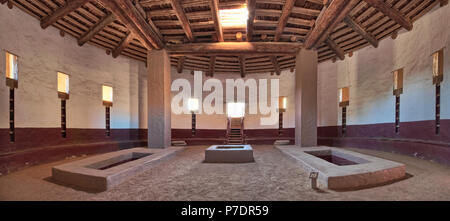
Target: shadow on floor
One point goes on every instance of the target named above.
(50, 180)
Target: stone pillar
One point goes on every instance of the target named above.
(158, 95)
(306, 98)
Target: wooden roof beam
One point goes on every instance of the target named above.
(392, 13)
(335, 48)
(212, 64)
(233, 48)
(287, 9)
(251, 5)
(214, 4)
(332, 15)
(242, 65)
(71, 5)
(127, 13)
(180, 64)
(108, 19)
(179, 11)
(360, 30)
(276, 67)
(122, 45)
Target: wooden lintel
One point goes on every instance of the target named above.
(122, 45)
(330, 18)
(70, 6)
(180, 64)
(234, 48)
(242, 65)
(179, 11)
(251, 6)
(276, 67)
(214, 4)
(335, 48)
(108, 19)
(392, 13)
(127, 13)
(360, 30)
(287, 9)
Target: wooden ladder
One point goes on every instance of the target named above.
(235, 131)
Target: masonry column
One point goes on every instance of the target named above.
(306, 98)
(158, 68)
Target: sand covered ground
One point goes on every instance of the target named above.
(272, 177)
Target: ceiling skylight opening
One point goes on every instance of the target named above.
(234, 18)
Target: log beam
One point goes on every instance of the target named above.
(214, 4)
(233, 48)
(180, 64)
(332, 15)
(108, 19)
(287, 9)
(127, 13)
(71, 5)
(179, 11)
(392, 13)
(360, 30)
(335, 48)
(242, 65)
(276, 67)
(251, 6)
(122, 45)
(212, 64)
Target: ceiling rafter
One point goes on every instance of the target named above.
(122, 45)
(392, 13)
(233, 48)
(214, 4)
(331, 17)
(180, 64)
(276, 67)
(251, 7)
(242, 65)
(336, 49)
(361, 31)
(179, 11)
(127, 13)
(282, 21)
(108, 19)
(70, 6)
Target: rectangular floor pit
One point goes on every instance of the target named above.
(119, 160)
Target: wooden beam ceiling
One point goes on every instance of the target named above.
(336, 49)
(233, 48)
(71, 5)
(122, 45)
(287, 9)
(330, 18)
(179, 11)
(127, 13)
(180, 64)
(391, 13)
(212, 64)
(276, 67)
(108, 19)
(360, 30)
(251, 6)
(242, 65)
(214, 4)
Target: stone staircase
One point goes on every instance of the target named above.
(235, 131)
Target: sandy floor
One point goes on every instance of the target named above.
(272, 177)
